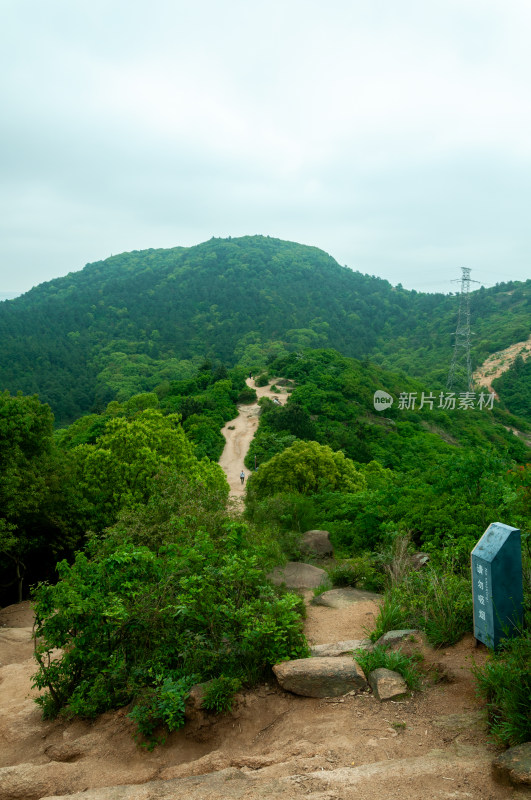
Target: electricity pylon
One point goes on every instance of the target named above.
(461, 366)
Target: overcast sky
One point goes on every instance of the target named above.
(393, 134)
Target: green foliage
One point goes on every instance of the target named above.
(440, 603)
(262, 379)
(161, 706)
(362, 572)
(505, 683)
(41, 512)
(306, 468)
(117, 472)
(247, 395)
(137, 625)
(265, 445)
(514, 387)
(220, 693)
(136, 321)
(380, 657)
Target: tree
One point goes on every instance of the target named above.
(307, 468)
(35, 493)
(118, 471)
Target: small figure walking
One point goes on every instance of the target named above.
(242, 477)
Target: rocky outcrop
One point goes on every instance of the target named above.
(514, 766)
(296, 575)
(320, 677)
(317, 542)
(392, 638)
(387, 684)
(341, 598)
(339, 648)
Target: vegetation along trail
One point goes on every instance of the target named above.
(238, 434)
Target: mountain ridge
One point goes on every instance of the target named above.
(134, 320)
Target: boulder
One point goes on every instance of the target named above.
(335, 649)
(387, 684)
(396, 637)
(320, 677)
(341, 598)
(297, 575)
(514, 766)
(317, 542)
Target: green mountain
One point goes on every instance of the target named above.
(138, 320)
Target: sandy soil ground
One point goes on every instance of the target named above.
(498, 363)
(430, 745)
(238, 434)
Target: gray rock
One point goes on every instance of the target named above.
(341, 598)
(387, 684)
(420, 560)
(468, 719)
(298, 576)
(320, 677)
(395, 637)
(317, 542)
(514, 766)
(339, 648)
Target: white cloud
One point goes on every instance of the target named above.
(393, 135)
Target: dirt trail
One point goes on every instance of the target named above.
(238, 434)
(498, 363)
(273, 744)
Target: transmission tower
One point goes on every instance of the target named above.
(461, 368)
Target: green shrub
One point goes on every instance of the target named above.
(220, 693)
(360, 571)
(262, 380)
(505, 683)
(440, 603)
(161, 706)
(247, 395)
(381, 657)
(138, 626)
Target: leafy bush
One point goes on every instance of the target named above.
(381, 657)
(220, 694)
(138, 626)
(262, 380)
(361, 571)
(162, 704)
(440, 603)
(505, 683)
(247, 395)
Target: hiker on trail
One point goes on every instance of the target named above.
(242, 476)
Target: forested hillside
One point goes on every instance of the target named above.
(138, 320)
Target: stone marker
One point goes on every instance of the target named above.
(320, 677)
(298, 576)
(514, 765)
(387, 684)
(497, 589)
(341, 598)
(317, 542)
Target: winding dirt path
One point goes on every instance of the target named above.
(238, 434)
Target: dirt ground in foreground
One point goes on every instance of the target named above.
(433, 744)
